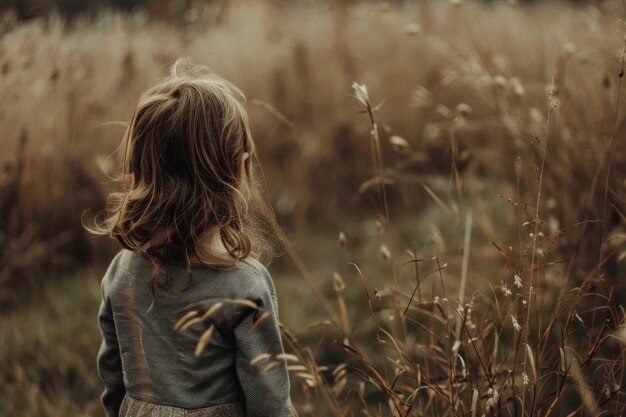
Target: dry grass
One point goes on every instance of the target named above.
(478, 202)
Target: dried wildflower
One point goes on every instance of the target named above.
(500, 62)
(258, 322)
(321, 323)
(449, 75)
(507, 292)
(308, 378)
(492, 398)
(530, 358)
(468, 307)
(516, 325)
(412, 29)
(341, 240)
(525, 379)
(517, 280)
(385, 254)
(535, 115)
(288, 357)
(432, 132)
(184, 319)
(422, 98)
(360, 93)
(570, 48)
(516, 86)
(444, 111)
(382, 293)
(211, 311)
(499, 81)
(399, 144)
(261, 358)
(245, 303)
(339, 371)
(270, 367)
(553, 103)
(463, 110)
(577, 316)
(339, 386)
(338, 282)
(204, 340)
(190, 323)
(553, 224)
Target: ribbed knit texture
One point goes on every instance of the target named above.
(144, 358)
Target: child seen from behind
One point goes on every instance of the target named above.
(189, 313)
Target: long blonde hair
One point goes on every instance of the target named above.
(180, 178)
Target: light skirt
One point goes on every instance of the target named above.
(137, 408)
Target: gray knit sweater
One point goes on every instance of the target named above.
(144, 357)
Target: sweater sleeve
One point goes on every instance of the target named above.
(109, 362)
(261, 369)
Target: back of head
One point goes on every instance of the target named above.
(186, 178)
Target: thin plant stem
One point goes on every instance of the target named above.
(551, 108)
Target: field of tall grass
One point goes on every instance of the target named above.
(450, 178)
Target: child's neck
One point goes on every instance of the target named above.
(209, 242)
(212, 243)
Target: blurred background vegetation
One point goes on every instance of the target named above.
(464, 88)
(173, 10)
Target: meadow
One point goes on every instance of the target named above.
(449, 179)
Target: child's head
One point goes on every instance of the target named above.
(187, 177)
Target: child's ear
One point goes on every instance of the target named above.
(242, 165)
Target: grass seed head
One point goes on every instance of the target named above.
(412, 29)
(463, 110)
(341, 240)
(516, 86)
(399, 144)
(184, 320)
(261, 358)
(385, 254)
(212, 310)
(338, 282)
(259, 321)
(204, 340)
(270, 367)
(500, 82)
(287, 357)
(361, 94)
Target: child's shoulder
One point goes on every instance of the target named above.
(256, 273)
(117, 263)
(259, 283)
(250, 278)
(254, 265)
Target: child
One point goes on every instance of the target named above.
(189, 317)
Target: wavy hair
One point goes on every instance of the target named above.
(181, 182)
